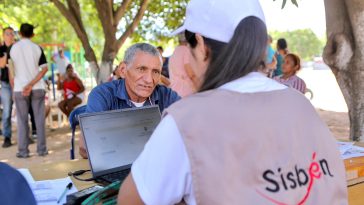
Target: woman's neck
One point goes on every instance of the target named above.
(282, 51)
(287, 75)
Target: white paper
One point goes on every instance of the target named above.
(48, 191)
(349, 150)
(26, 174)
(345, 146)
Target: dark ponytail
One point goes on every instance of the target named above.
(243, 54)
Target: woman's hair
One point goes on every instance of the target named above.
(296, 60)
(8, 28)
(69, 66)
(281, 44)
(244, 53)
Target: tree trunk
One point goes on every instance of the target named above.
(110, 19)
(344, 53)
(106, 68)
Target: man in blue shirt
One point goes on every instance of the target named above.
(141, 71)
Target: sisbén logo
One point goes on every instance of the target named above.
(297, 178)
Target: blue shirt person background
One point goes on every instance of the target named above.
(141, 72)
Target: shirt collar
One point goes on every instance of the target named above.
(253, 82)
(122, 94)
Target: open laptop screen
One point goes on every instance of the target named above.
(114, 139)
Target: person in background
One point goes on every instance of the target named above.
(33, 125)
(271, 62)
(183, 77)
(165, 73)
(6, 90)
(244, 138)
(61, 63)
(165, 60)
(141, 71)
(72, 89)
(291, 65)
(116, 74)
(26, 58)
(281, 52)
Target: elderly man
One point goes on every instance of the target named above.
(141, 71)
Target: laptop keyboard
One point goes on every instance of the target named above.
(116, 176)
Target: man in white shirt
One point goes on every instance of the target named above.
(27, 57)
(61, 62)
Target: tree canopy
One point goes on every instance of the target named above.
(160, 18)
(302, 42)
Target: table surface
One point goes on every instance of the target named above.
(60, 170)
(356, 194)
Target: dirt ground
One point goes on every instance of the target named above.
(328, 101)
(58, 143)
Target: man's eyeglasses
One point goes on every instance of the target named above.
(9, 33)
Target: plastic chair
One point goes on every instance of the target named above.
(73, 118)
(309, 93)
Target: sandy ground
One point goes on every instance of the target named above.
(327, 99)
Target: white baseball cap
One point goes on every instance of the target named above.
(217, 19)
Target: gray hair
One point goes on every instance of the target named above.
(144, 47)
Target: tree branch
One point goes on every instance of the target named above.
(73, 16)
(120, 11)
(133, 25)
(74, 8)
(105, 12)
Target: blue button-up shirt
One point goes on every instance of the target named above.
(113, 96)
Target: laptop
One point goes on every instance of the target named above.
(114, 139)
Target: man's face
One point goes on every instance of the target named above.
(141, 75)
(9, 35)
(61, 54)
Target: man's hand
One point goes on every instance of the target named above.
(27, 90)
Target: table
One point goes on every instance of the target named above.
(356, 194)
(60, 170)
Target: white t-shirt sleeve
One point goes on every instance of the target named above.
(162, 171)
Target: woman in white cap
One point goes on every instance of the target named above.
(230, 143)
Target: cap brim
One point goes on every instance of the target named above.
(178, 30)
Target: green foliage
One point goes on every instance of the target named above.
(285, 1)
(51, 26)
(302, 42)
(160, 19)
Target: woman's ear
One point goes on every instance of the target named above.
(297, 67)
(201, 47)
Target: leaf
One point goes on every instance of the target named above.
(284, 3)
(294, 2)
